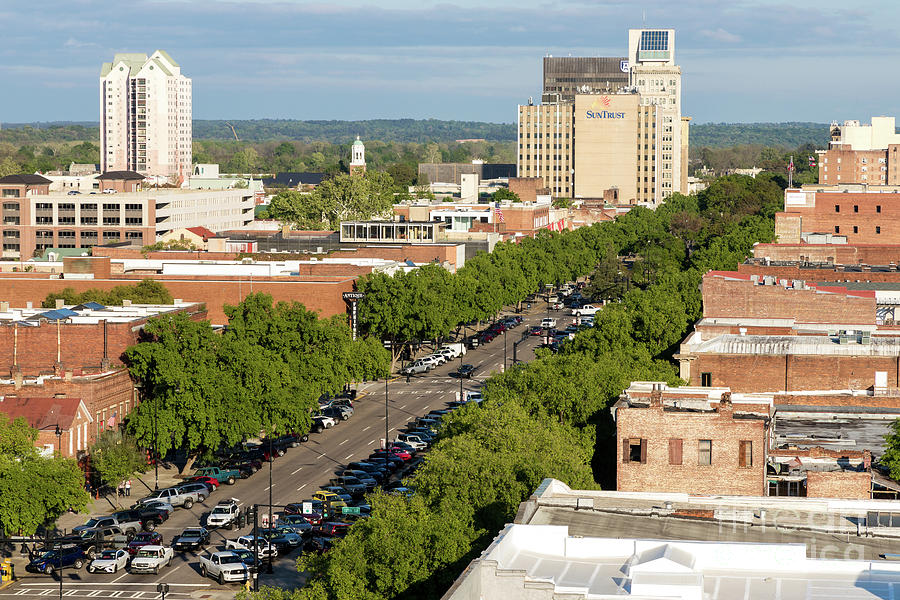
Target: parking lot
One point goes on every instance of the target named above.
(295, 477)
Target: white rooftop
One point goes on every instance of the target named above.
(790, 344)
(88, 313)
(544, 556)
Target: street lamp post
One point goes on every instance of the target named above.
(386, 379)
(58, 439)
(155, 446)
(504, 350)
(460, 373)
(61, 567)
(271, 523)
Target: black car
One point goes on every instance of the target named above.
(192, 538)
(354, 485)
(354, 477)
(465, 371)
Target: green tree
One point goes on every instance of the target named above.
(115, 457)
(34, 491)
(891, 456)
(147, 291)
(505, 194)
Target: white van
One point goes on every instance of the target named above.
(458, 349)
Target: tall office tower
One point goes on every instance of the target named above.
(568, 75)
(651, 58)
(145, 116)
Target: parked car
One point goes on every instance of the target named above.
(338, 412)
(266, 550)
(296, 522)
(173, 496)
(220, 474)
(416, 367)
(201, 489)
(474, 397)
(109, 561)
(192, 538)
(466, 371)
(58, 558)
(145, 538)
(282, 537)
(224, 567)
(413, 440)
(224, 514)
(72, 193)
(158, 505)
(433, 360)
(354, 485)
(548, 323)
(332, 529)
(210, 482)
(458, 348)
(151, 559)
(320, 423)
(331, 497)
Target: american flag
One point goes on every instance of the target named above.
(812, 161)
(499, 214)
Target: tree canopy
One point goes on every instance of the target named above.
(34, 491)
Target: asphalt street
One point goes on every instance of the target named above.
(295, 476)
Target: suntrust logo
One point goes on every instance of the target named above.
(593, 113)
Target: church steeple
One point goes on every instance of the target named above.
(357, 158)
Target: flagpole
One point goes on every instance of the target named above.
(791, 173)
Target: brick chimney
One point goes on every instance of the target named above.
(725, 405)
(656, 396)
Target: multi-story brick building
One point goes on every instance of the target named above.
(702, 440)
(63, 424)
(35, 219)
(145, 116)
(670, 449)
(865, 154)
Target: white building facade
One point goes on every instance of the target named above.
(145, 116)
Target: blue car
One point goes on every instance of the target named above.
(51, 560)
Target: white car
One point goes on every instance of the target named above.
(413, 440)
(247, 542)
(548, 322)
(224, 514)
(109, 561)
(150, 559)
(435, 360)
(224, 567)
(587, 309)
(320, 423)
(474, 397)
(448, 353)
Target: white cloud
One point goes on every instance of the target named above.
(720, 35)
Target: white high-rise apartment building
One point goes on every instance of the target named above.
(145, 116)
(651, 59)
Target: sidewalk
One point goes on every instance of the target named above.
(104, 505)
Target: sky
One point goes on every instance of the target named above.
(742, 60)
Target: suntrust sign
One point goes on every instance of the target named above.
(604, 114)
(594, 111)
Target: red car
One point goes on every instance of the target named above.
(144, 538)
(210, 481)
(401, 453)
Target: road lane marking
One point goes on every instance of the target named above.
(402, 407)
(319, 456)
(349, 457)
(297, 471)
(125, 574)
(367, 427)
(344, 442)
(301, 487)
(372, 442)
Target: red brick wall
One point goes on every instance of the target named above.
(724, 476)
(839, 484)
(839, 254)
(855, 209)
(772, 373)
(113, 392)
(729, 297)
(80, 345)
(851, 167)
(322, 295)
(828, 275)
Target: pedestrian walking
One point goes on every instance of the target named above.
(128, 488)
(120, 491)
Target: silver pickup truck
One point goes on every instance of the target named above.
(174, 496)
(224, 567)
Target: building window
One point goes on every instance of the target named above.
(706, 379)
(877, 229)
(634, 450)
(856, 208)
(837, 208)
(745, 454)
(855, 229)
(837, 228)
(675, 451)
(878, 208)
(704, 453)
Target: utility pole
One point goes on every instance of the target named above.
(386, 379)
(256, 547)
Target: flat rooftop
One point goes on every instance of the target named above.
(781, 345)
(89, 313)
(525, 557)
